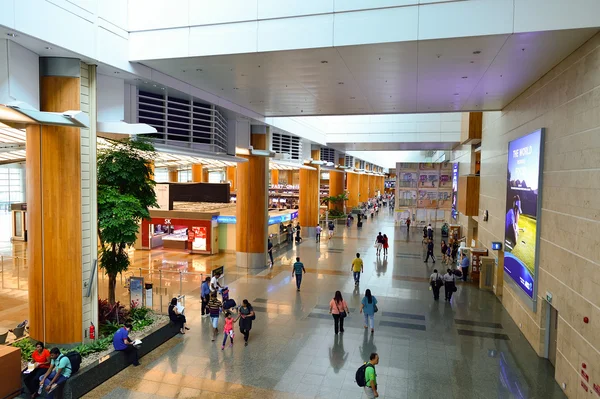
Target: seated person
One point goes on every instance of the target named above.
(41, 361)
(121, 342)
(177, 318)
(58, 373)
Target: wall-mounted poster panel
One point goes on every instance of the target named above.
(523, 203)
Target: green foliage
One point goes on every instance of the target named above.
(336, 198)
(139, 313)
(125, 192)
(109, 328)
(335, 213)
(27, 347)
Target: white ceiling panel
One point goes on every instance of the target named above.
(460, 74)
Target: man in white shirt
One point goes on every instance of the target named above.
(318, 233)
(449, 284)
(436, 282)
(214, 283)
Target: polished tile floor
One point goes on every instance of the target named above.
(469, 348)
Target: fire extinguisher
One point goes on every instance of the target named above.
(92, 331)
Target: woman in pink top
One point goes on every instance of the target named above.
(338, 308)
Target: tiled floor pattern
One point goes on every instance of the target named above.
(469, 348)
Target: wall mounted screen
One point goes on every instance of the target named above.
(523, 202)
(454, 190)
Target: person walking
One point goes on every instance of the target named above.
(429, 231)
(370, 387)
(449, 284)
(297, 270)
(270, 250)
(205, 295)
(318, 233)
(214, 308)
(331, 228)
(436, 282)
(228, 329)
(368, 307)
(246, 316)
(408, 225)
(444, 249)
(430, 251)
(357, 268)
(379, 243)
(386, 245)
(338, 308)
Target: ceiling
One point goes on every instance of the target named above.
(463, 74)
(395, 146)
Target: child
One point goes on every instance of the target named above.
(228, 330)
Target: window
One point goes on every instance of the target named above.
(184, 176)
(161, 175)
(11, 187)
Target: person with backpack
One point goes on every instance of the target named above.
(449, 284)
(122, 342)
(247, 315)
(436, 282)
(366, 376)
(58, 373)
(368, 307)
(214, 309)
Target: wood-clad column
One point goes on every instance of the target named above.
(251, 208)
(173, 176)
(54, 198)
(274, 176)
(364, 187)
(151, 165)
(336, 187)
(197, 176)
(308, 214)
(353, 188)
(231, 177)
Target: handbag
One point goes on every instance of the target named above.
(342, 314)
(375, 309)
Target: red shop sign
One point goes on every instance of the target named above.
(597, 389)
(190, 236)
(584, 386)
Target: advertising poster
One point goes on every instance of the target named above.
(136, 291)
(521, 234)
(454, 190)
(199, 243)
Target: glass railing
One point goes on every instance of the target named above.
(13, 272)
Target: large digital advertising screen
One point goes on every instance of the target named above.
(523, 200)
(454, 190)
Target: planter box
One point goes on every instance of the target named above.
(92, 375)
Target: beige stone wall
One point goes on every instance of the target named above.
(566, 101)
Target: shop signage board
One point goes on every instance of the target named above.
(523, 201)
(136, 291)
(162, 196)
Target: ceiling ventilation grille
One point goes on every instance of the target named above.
(361, 164)
(187, 123)
(349, 161)
(327, 154)
(286, 144)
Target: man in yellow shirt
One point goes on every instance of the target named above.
(357, 268)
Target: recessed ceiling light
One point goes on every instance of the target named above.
(324, 62)
(500, 75)
(48, 48)
(477, 52)
(465, 77)
(301, 110)
(12, 34)
(235, 88)
(198, 69)
(138, 79)
(145, 82)
(352, 98)
(472, 62)
(259, 66)
(154, 85)
(456, 94)
(340, 83)
(117, 72)
(243, 75)
(162, 88)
